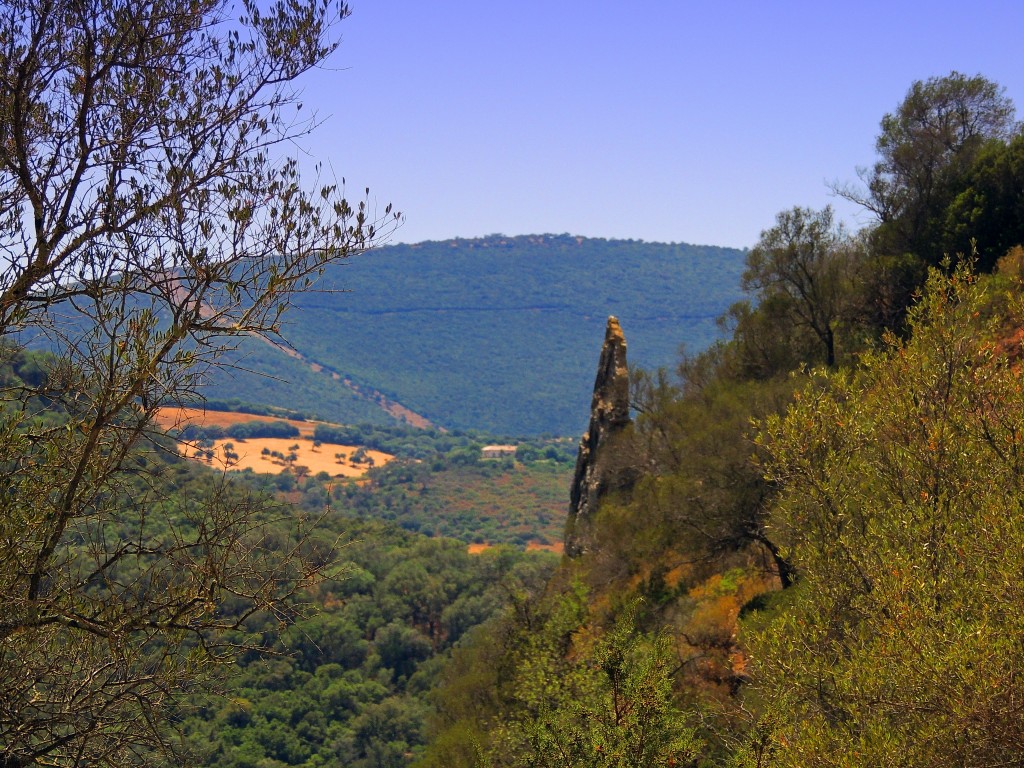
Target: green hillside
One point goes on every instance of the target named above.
(497, 334)
(261, 374)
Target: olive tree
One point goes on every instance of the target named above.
(799, 271)
(925, 148)
(149, 219)
(582, 697)
(900, 509)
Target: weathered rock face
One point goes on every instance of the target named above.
(598, 470)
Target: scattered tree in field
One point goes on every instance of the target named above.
(148, 222)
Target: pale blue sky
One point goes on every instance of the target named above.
(659, 120)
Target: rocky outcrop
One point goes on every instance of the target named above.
(599, 466)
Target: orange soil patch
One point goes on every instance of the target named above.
(533, 546)
(558, 548)
(251, 456)
(175, 418)
(250, 451)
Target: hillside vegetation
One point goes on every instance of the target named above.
(497, 334)
(812, 553)
(354, 651)
(819, 561)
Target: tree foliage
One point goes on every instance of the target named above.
(703, 495)
(901, 508)
(549, 686)
(349, 686)
(149, 220)
(608, 704)
(799, 272)
(987, 215)
(924, 148)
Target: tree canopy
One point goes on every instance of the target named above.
(150, 219)
(926, 150)
(799, 271)
(901, 512)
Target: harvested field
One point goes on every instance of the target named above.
(258, 454)
(270, 455)
(175, 418)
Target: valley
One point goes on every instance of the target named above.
(781, 527)
(421, 480)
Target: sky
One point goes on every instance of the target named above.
(656, 120)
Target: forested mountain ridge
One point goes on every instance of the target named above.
(496, 333)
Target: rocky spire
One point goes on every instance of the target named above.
(597, 471)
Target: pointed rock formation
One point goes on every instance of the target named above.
(598, 469)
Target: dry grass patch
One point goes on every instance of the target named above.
(273, 455)
(270, 455)
(176, 418)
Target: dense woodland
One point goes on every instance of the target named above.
(817, 561)
(343, 669)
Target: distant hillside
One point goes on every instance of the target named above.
(500, 333)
